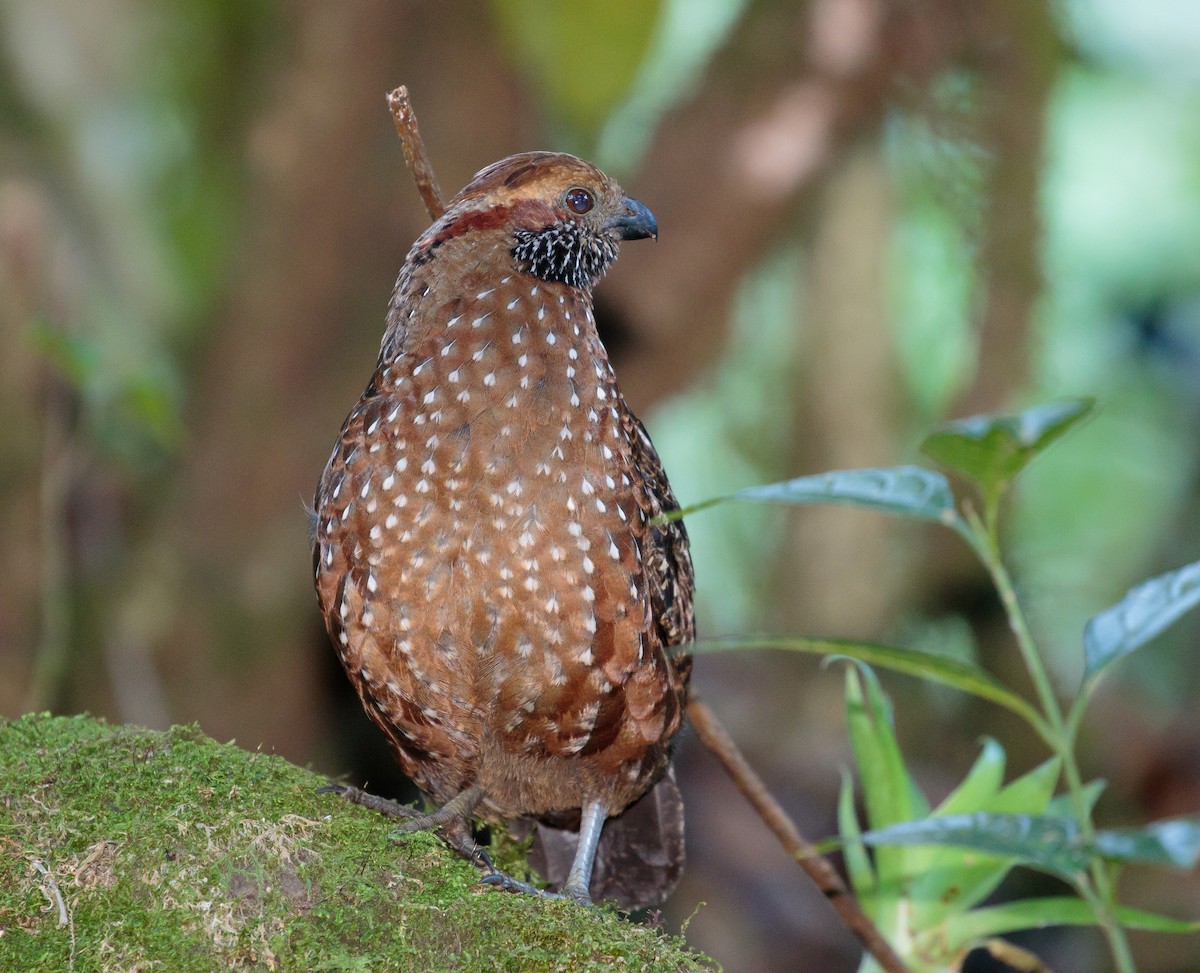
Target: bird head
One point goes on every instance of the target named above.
(563, 218)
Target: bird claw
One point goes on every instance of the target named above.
(507, 883)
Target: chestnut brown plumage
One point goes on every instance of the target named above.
(485, 550)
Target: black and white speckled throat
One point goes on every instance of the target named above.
(565, 253)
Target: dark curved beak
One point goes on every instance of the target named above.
(636, 223)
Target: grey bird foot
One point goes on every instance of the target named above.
(509, 884)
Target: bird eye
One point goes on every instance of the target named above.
(579, 200)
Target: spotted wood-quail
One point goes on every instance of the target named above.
(486, 555)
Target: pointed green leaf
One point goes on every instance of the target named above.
(993, 449)
(1061, 806)
(946, 670)
(1028, 794)
(981, 783)
(950, 879)
(1138, 617)
(888, 791)
(1172, 843)
(1051, 844)
(858, 863)
(966, 930)
(907, 490)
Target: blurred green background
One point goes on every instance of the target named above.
(875, 214)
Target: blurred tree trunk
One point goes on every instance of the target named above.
(324, 237)
(842, 570)
(1017, 46)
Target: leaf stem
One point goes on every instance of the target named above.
(984, 539)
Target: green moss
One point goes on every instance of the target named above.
(123, 848)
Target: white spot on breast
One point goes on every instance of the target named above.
(366, 488)
(463, 396)
(574, 399)
(478, 355)
(453, 321)
(533, 291)
(552, 604)
(479, 320)
(446, 348)
(526, 539)
(516, 338)
(391, 417)
(389, 481)
(401, 464)
(550, 338)
(613, 552)
(600, 505)
(391, 521)
(422, 486)
(600, 393)
(588, 594)
(489, 379)
(513, 303)
(429, 396)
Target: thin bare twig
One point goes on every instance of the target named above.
(815, 865)
(414, 151)
(709, 728)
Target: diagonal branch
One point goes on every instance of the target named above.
(414, 151)
(816, 866)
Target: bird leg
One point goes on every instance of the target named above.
(579, 878)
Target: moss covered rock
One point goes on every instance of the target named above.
(127, 849)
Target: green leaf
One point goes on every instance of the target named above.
(1061, 806)
(943, 669)
(1137, 618)
(906, 490)
(1172, 843)
(858, 863)
(1048, 843)
(949, 879)
(963, 931)
(1051, 844)
(981, 783)
(993, 449)
(889, 792)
